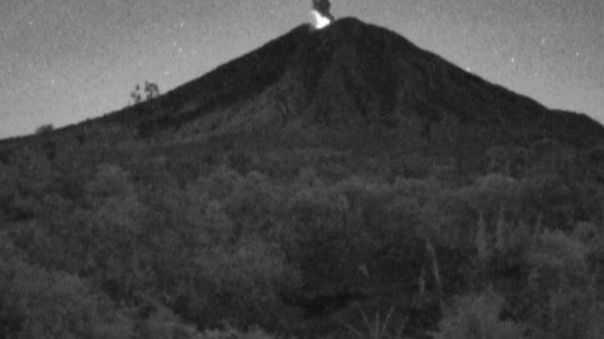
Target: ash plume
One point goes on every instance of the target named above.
(323, 7)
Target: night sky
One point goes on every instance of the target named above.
(63, 61)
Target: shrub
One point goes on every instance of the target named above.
(45, 129)
(560, 286)
(242, 286)
(477, 317)
(231, 333)
(35, 303)
(110, 181)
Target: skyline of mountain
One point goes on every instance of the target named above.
(344, 74)
(63, 64)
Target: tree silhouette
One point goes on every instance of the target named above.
(151, 90)
(148, 91)
(45, 129)
(136, 95)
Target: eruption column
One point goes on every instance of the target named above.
(322, 14)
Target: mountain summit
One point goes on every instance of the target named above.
(352, 74)
(350, 83)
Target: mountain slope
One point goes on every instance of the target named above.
(355, 74)
(351, 74)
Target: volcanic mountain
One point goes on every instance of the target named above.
(328, 172)
(352, 85)
(352, 74)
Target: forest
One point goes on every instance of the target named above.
(108, 239)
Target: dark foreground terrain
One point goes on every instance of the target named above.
(341, 183)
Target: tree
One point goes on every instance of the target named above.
(136, 95)
(560, 286)
(478, 316)
(40, 303)
(151, 90)
(148, 91)
(44, 129)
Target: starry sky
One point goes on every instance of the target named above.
(64, 61)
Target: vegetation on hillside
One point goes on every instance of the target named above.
(333, 184)
(103, 238)
(148, 91)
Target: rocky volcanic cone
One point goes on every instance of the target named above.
(352, 74)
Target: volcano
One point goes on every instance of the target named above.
(351, 76)
(328, 172)
(354, 86)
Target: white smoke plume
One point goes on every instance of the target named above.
(321, 12)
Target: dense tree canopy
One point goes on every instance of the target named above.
(104, 240)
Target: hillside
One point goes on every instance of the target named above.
(332, 183)
(351, 75)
